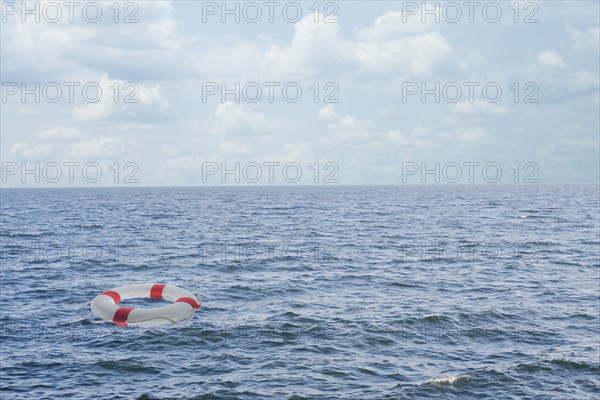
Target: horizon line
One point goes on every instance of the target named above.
(130, 186)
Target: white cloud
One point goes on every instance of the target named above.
(383, 47)
(183, 163)
(585, 40)
(38, 152)
(164, 32)
(583, 80)
(44, 46)
(123, 100)
(103, 147)
(17, 148)
(368, 54)
(233, 117)
(549, 60)
(67, 47)
(349, 130)
(585, 142)
(26, 111)
(567, 150)
(328, 113)
(420, 131)
(313, 46)
(394, 24)
(397, 138)
(240, 61)
(346, 127)
(416, 55)
(293, 152)
(479, 107)
(230, 148)
(474, 60)
(418, 138)
(59, 133)
(350, 127)
(23, 150)
(472, 135)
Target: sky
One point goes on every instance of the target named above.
(170, 93)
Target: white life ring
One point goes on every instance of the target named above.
(185, 304)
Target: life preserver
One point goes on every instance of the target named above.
(184, 305)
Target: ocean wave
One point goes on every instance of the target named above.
(448, 380)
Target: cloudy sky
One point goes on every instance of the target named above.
(361, 67)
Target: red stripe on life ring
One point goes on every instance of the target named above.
(121, 315)
(115, 296)
(188, 300)
(156, 291)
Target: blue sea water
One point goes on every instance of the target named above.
(327, 292)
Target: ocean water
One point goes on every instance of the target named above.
(327, 292)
